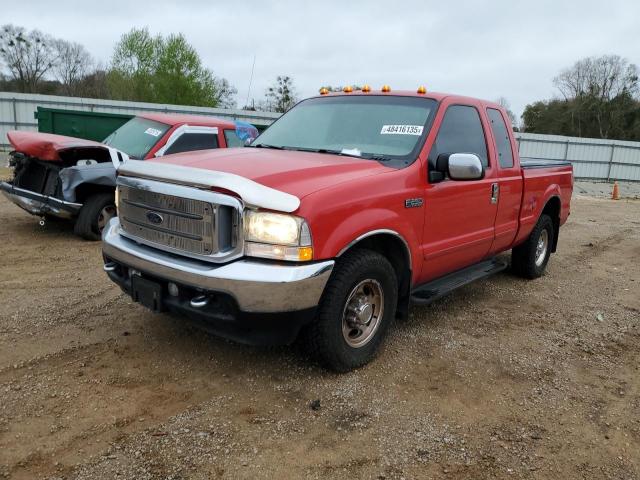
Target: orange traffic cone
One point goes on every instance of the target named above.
(615, 194)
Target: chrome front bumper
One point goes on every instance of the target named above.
(257, 286)
(38, 204)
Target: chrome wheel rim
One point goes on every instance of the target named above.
(362, 313)
(106, 214)
(541, 247)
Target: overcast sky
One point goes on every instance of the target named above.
(486, 49)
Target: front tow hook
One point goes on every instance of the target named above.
(109, 266)
(199, 301)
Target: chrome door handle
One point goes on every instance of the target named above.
(495, 190)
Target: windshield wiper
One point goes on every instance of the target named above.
(325, 150)
(379, 157)
(366, 156)
(265, 145)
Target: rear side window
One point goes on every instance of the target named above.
(460, 132)
(232, 139)
(501, 134)
(193, 141)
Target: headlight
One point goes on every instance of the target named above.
(278, 236)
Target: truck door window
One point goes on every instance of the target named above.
(232, 139)
(460, 132)
(503, 141)
(189, 142)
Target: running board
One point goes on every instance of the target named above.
(428, 292)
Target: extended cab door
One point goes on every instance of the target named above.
(509, 177)
(459, 215)
(187, 138)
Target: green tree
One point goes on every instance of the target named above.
(159, 70)
(599, 101)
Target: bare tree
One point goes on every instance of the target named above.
(29, 56)
(604, 78)
(595, 90)
(225, 93)
(504, 103)
(95, 84)
(282, 95)
(74, 63)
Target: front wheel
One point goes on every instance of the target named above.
(356, 309)
(94, 215)
(530, 259)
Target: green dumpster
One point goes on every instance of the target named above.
(80, 124)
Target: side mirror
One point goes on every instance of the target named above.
(459, 166)
(465, 166)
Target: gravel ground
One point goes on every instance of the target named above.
(5, 173)
(504, 378)
(604, 189)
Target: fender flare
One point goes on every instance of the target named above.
(380, 231)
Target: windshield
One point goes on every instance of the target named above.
(378, 127)
(137, 137)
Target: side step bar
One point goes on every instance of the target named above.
(428, 292)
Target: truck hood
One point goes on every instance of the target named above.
(47, 146)
(296, 173)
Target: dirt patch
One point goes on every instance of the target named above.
(503, 379)
(6, 173)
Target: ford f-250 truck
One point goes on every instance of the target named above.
(73, 178)
(346, 210)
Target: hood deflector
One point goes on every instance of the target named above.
(252, 193)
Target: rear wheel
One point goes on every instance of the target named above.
(530, 259)
(355, 311)
(95, 214)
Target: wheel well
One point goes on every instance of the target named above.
(85, 190)
(552, 209)
(396, 251)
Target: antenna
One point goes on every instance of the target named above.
(250, 80)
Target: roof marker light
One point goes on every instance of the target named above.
(347, 89)
(324, 91)
(422, 90)
(366, 88)
(386, 88)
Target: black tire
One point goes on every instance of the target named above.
(90, 221)
(324, 338)
(523, 257)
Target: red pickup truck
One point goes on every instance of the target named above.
(346, 210)
(73, 178)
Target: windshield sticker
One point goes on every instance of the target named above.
(154, 132)
(401, 130)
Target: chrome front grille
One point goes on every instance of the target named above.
(206, 226)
